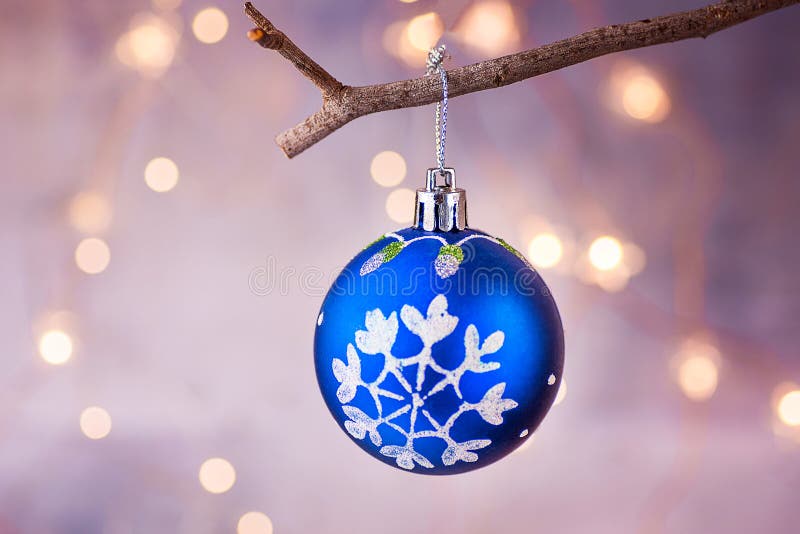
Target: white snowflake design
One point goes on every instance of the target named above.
(378, 339)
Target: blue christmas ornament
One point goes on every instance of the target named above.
(439, 349)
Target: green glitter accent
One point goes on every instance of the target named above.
(452, 250)
(379, 239)
(391, 250)
(511, 249)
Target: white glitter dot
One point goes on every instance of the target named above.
(523, 433)
(319, 319)
(551, 380)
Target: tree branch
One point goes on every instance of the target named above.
(342, 103)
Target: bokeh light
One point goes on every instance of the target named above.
(562, 392)
(254, 523)
(149, 46)
(95, 422)
(388, 168)
(696, 368)
(411, 40)
(55, 347)
(161, 174)
(527, 444)
(489, 27)
(788, 408)
(424, 31)
(210, 25)
(613, 280)
(605, 253)
(400, 205)
(633, 258)
(545, 250)
(217, 475)
(645, 99)
(90, 212)
(92, 255)
(166, 5)
(634, 91)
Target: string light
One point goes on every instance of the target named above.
(400, 205)
(254, 523)
(788, 408)
(149, 46)
(388, 168)
(90, 212)
(55, 347)
(545, 250)
(95, 422)
(210, 25)
(489, 27)
(217, 475)
(605, 253)
(697, 369)
(161, 174)
(92, 255)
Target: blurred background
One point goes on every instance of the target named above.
(157, 260)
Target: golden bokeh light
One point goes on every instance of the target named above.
(55, 347)
(697, 377)
(527, 444)
(696, 367)
(545, 250)
(90, 212)
(210, 25)
(95, 422)
(92, 255)
(217, 475)
(643, 98)
(424, 31)
(388, 168)
(489, 27)
(612, 281)
(166, 5)
(400, 205)
(605, 253)
(788, 408)
(562, 392)
(634, 91)
(161, 174)
(149, 46)
(634, 258)
(254, 523)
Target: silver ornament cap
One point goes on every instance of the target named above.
(441, 208)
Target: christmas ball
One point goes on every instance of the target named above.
(439, 351)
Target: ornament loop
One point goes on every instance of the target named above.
(441, 208)
(449, 175)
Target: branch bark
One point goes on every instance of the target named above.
(343, 103)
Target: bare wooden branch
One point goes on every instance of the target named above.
(342, 103)
(271, 37)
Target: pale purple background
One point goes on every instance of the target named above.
(191, 363)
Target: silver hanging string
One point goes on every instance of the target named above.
(434, 64)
